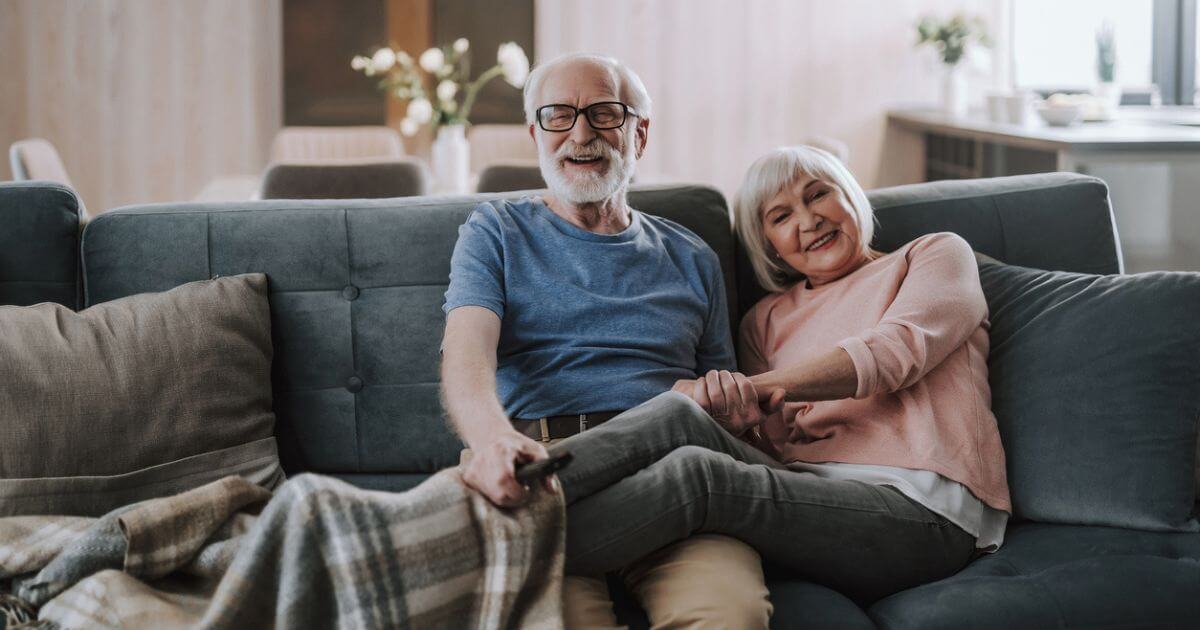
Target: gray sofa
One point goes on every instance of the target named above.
(356, 289)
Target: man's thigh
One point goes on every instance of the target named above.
(705, 581)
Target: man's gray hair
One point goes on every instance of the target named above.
(629, 86)
(770, 174)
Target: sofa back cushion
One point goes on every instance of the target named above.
(1096, 388)
(39, 244)
(141, 397)
(1059, 221)
(356, 295)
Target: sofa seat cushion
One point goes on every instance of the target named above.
(1062, 576)
(801, 604)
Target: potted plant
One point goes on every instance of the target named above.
(954, 39)
(439, 90)
(1107, 92)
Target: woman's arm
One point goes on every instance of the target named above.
(937, 307)
(830, 376)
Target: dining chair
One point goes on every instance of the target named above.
(405, 177)
(36, 158)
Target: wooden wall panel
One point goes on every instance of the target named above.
(732, 80)
(410, 28)
(487, 24)
(145, 101)
(319, 39)
(13, 118)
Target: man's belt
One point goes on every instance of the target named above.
(558, 427)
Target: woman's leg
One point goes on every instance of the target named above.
(640, 437)
(866, 541)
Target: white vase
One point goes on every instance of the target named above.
(954, 91)
(451, 160)
(1108, 98)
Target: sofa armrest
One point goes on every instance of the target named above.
(40, 223)
(1055, 221)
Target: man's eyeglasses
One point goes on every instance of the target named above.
(601, 116)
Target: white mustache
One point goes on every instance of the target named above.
(573, 151)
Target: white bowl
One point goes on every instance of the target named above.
(1060, 115)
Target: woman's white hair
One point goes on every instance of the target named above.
(770, 174)
(629, 86)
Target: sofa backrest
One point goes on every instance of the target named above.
(39, 244)
(356, 292)
(357, 286)
(1054, 221)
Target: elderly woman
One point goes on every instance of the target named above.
(858, 448)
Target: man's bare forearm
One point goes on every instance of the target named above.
(469, 393)
(469, 375)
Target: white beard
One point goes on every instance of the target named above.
(580, 188)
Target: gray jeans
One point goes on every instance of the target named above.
(665, 470)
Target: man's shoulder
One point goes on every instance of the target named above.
(676, 235)
(519, 209)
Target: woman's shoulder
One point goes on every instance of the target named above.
(937, 244)
(759, 316)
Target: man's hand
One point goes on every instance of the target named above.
(731, 399)
(492, 469)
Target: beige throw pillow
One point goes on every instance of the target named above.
(136, 398)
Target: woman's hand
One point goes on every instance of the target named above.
(731, 399)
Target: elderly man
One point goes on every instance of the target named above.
(568, 309)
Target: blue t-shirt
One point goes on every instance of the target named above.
(590, 322)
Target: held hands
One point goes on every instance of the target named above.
(492, 469)
(731, 399)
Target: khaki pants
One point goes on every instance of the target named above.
(706, 581)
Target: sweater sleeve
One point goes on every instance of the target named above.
(751, 360)
(937, 307)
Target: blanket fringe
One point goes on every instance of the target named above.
(17, 614)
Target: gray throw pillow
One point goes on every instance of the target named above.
(136, 398)
(1096, 387)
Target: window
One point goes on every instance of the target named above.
(1054, 43)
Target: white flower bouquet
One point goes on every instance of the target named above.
(953, 38)
(447, 70)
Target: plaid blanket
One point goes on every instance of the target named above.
(319, 553)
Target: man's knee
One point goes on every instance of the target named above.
(682, 412)
(695, 464)
(706, 581)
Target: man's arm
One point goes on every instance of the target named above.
(469, 393)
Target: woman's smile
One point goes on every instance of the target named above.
(825, 242)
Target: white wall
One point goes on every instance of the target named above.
(732, 79)
(145, 101)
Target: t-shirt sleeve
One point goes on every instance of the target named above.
(938, 306)
(716, 342)
(477, 266)
(751, 359)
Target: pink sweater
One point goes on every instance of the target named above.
(914, 323)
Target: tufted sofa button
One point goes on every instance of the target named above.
(350, 292)
(354, 384)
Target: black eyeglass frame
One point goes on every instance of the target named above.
(626, 110)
